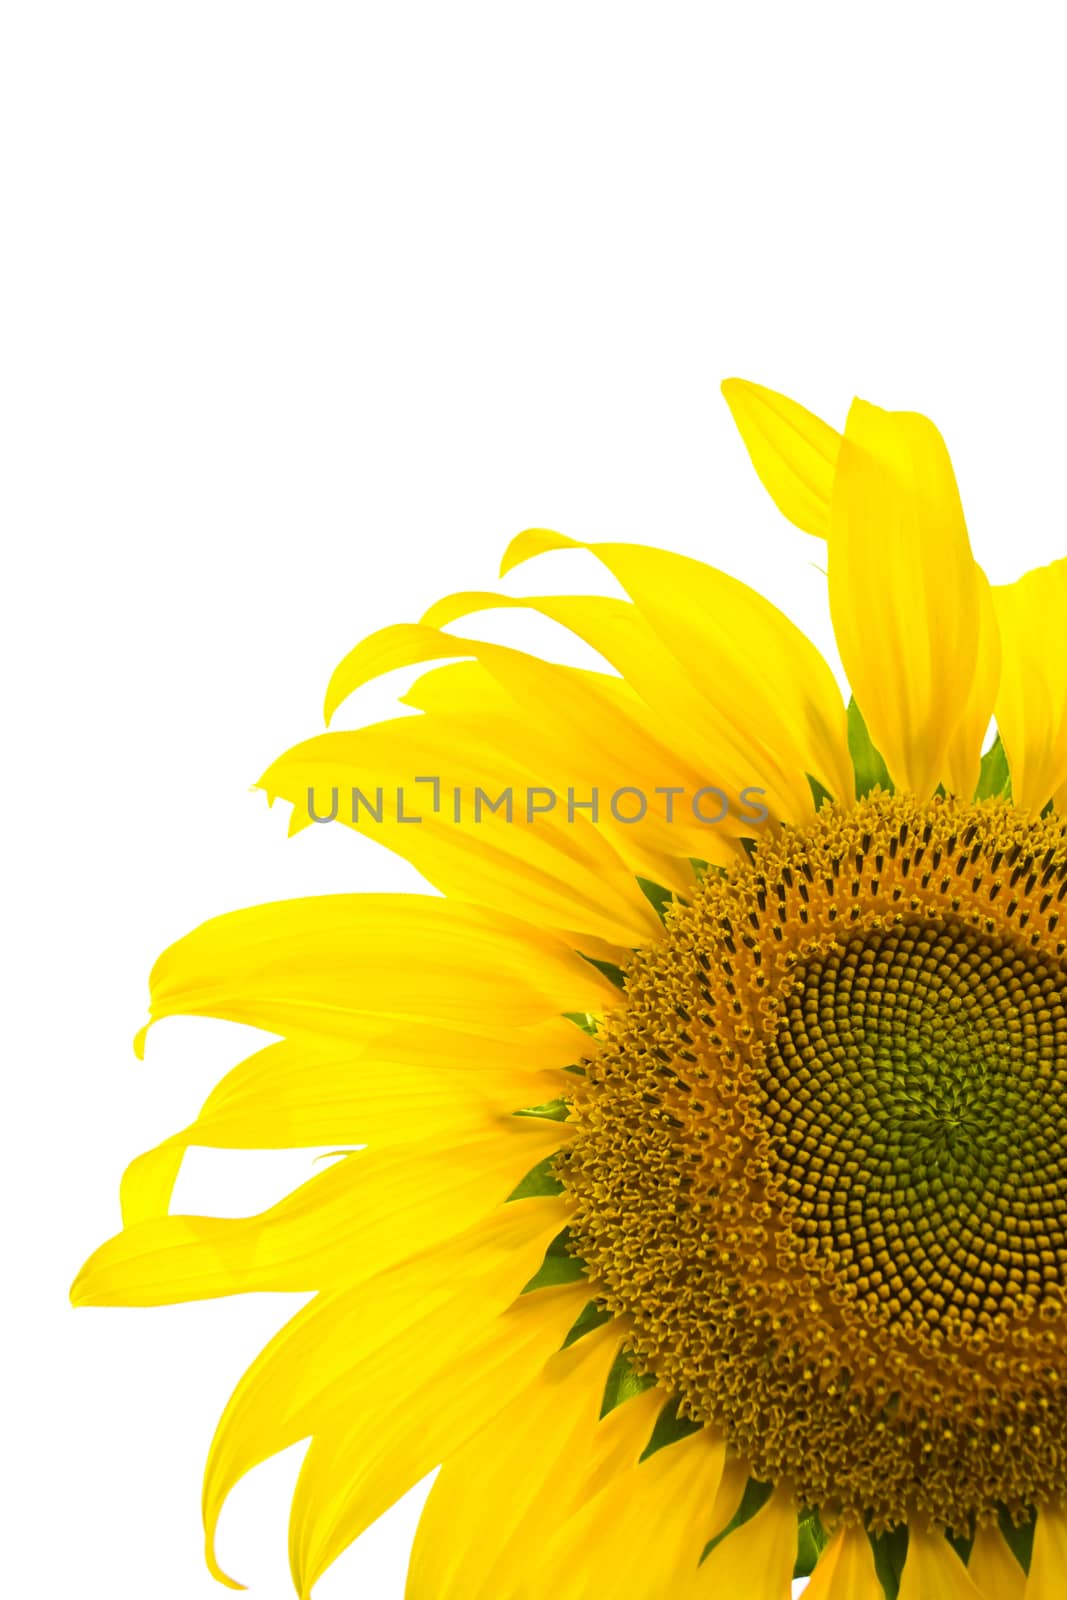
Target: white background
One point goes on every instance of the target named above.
(307, 309)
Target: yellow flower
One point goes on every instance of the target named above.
(711, 1223)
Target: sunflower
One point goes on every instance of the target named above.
(707, 1224)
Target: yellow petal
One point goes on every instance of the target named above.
(593, 732)
(532, 745)
(1048, 1563)
(383, 651)
(148, 1182)
(905, 594)
(464, 686)
(532, 542)
(396, 1324)
(662, 1502)
(299, 1092)
(615, 1445)
(350, 1221)
(418, 1043)
(1032, 703)
(652, 678)
(555, 868)
(423, 1042)
(411, 1410)
(933, 1570)
(730, 1493)
(793, 452)
(846, 1569)
(528, 745)
(772, 710)
(756, 1561)
(486, 1515)
(316, 966)
(963, 757)
(992, 1567)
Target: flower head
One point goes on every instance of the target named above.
(714, 1111)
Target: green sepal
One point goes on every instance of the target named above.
(591, 1316)
(755, 1496)
(961, 1546)
(669, 1428)
(560, 1266)
(1020, 1539)
(657, 896)
(540, 1180)
(994, 779)
(812, 1539)
(623, 1383)
(584, 1020)
(820, 795)
(610, 971)
(868, 765)
(890, 1552)
(557, 1110)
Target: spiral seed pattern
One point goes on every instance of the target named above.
(821, 1160)
(916, 1099)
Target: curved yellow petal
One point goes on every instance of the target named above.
(398, 1324)
(756, 1561)
(933, 1570)
(652, 678)
(905, 594)
(300, 1092)
(414, 1410)
(486, 1515)
(664, 1500)
(577, 721)
(963, 755)
(400, 645)
(348, 1222)
(468, 687)
(793, 451)
(1048, 1564)
(658, 848)
(318, 966)
(992, 1567)
(1031, 705)
(148, 1182)
(731, 1491)
(471, 841)
(772, 710)
(846, 1569)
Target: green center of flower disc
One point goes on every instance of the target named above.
(821, 1161)
(916, 1105)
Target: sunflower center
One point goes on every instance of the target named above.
(821, 1160)
(915, 1099)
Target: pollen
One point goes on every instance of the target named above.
(820, 1160)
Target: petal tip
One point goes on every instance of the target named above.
(219, 1575)
(533, 542)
